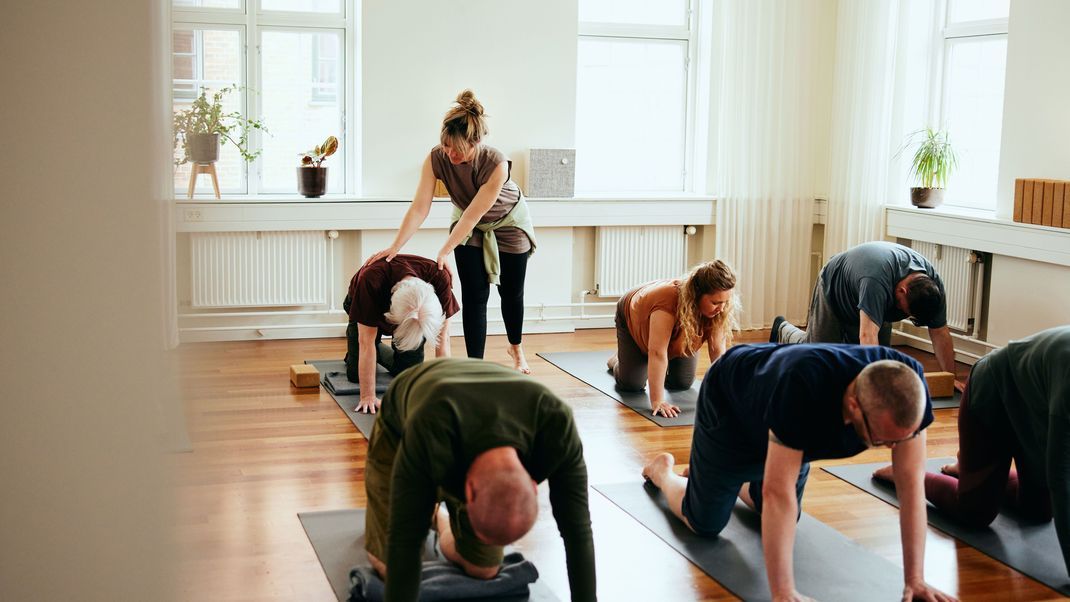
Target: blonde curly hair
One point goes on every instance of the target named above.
(704, 279)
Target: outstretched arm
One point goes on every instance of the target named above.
(414, 217)
(780, 511)
(943, 347)
(908, 468)
(867, 329)
(369, 402)
(657, 364)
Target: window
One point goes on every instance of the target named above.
(633, 96)
(288, 59)
(970, 96)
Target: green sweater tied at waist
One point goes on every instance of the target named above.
(518, 217)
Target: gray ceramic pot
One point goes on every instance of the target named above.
(203, 148)
(926, 198)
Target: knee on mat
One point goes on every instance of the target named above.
(978, 517)
(630, 384)
(679, 383)
(484, 573)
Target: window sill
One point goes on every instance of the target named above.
(980, 231)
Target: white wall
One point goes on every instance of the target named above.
(1036, 144)
(1036, 104)
(518, 56)
(84, 169)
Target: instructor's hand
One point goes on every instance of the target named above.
(442, 257)
(388, 253)
(665, 409)
(368, 406)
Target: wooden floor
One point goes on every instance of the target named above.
(264, 451)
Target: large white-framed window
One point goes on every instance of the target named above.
(635, 100)
(291, 62)
(971, 66)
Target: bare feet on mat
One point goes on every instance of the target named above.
(884, 473)
(611, 363)
(658, 468)
(520, 363)
(951, 470)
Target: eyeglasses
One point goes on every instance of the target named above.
(879, 442)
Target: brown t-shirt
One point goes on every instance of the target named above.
(370, 289)
(642, 302)
(463, 182)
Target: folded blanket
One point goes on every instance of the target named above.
(338, 384)
(443, 580)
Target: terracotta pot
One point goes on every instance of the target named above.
(312, 181)
(203, 148)
(926, 198)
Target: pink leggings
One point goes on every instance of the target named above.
(986, 480)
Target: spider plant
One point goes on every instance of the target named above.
(934, 159)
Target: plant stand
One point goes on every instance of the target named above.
(199, 168)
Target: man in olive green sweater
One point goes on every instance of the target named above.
(479, 437)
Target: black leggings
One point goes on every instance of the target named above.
(475, 291)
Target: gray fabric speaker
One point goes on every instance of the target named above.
(551, 172)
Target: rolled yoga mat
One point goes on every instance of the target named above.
(337, 536)
(828, 566)
(590, 367)
(1026, 546)
(347, 394)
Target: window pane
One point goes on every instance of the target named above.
(303, 6)
(207, 3)
(635, 12)
(216, 58)
(302, 104)
(630, 111)
(977, 10)
(973, 110)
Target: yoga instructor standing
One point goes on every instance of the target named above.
(491, 234)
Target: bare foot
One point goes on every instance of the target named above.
(520, 363)
(951, 470)
(611, 363)
(686, 473)
(659, 467)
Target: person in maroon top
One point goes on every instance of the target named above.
(409, 298)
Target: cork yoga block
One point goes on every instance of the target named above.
(1042, 202)
(941, 384)
(304, 375)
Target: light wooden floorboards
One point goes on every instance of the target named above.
(264, 451)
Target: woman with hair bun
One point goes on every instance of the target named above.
(491, 234)
(662, 325)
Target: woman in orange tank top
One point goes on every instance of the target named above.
(662, 325)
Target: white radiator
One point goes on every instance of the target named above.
(258, 269)
(963, 276)
(627, 256)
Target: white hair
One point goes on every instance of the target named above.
(415, 309)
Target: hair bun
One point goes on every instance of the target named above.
(467, 101)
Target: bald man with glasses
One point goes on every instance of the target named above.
(765, 411)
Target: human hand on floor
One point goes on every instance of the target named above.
(960, 386)
(368, 406)
(884, 473)
(664, 408)
(919, 590)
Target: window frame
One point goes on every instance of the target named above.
(250, 19)
(946, 37)
(688, 34)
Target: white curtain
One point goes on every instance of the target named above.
(881, 92)
(769, 77)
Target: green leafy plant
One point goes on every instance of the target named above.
(934, 159)
(208, 117)
(318, 155)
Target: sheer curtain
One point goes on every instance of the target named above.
(881, 92)
(768, 73)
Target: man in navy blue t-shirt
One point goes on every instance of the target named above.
(765, 411)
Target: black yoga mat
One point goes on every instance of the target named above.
(348, 403)
(828, 566)
(943, 403)
(337, 536)
(590, 367)
(1028, 547)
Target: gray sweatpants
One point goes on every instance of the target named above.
(824, 326)
(630, 370)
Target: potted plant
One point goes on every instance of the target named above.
(312, 175)
(204, 125)
(933, 162)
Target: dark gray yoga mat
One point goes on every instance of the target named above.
(337, 536)
(1026, 546)
(348, 403)
(590, 367)
(943, 403)
(828, 566)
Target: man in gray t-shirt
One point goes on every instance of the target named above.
(863, 290)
